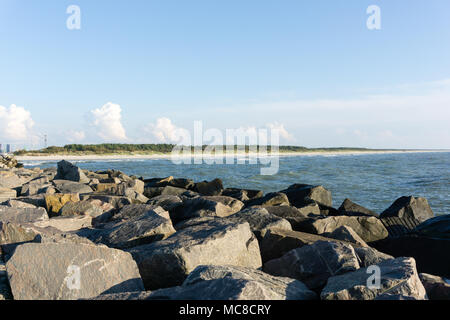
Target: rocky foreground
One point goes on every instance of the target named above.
(66, 233)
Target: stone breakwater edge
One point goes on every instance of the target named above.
(68, 233)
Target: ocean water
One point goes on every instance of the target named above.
(371, 180)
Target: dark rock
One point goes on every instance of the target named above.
(302, 194)
(168, 203)
(314, 264)
(438, 227)
(437, 288)
(369, 256)
(417, 208)
(65, 186)
(208, 206)
(269, 200)
(212, 188)
(242, 194)
(427, 251)
(398, 277)
(260, 221)
(349, 208)
(68, 171)
(346, 234)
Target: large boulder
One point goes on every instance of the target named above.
(66, 271)
(290, 212)
(409, 207)
(208, 206)
(167, 202)
(168, 262)
(437, 288)
(278, 242)
(92, 208)
(150, 225)
(242, 194)
(66, 186)
(211, 188)
(368, 228)
(280, 288)
(12, 179)
(260, 221)
(438, 227)
(269, 200)
(314, 264)
(397, 277)
(55, 202)
(68, 171)
(346, 233)
(369, 256)
(7, 194)
(302, 194)
(22, 215)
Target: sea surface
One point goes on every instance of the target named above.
(371, 180)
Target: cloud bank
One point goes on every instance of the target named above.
(107, 123)
(15, 124)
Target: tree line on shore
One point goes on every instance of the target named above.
(108, 148)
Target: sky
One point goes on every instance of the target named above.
(143, 71)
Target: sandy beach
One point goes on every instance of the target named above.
(206, 155)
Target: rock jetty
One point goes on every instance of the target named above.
(68, 233)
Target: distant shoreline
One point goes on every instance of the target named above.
(58, 157)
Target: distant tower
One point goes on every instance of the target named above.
(8, 148)
(1, 148)
(45, 141)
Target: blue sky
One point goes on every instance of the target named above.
(138, 71)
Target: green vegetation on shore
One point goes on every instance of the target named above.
(148, 149)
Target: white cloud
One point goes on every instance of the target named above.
(15, 124)
(107, 122)
(164, 131)
(284, 134)
(75, 136)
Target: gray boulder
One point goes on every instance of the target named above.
(66, 186)
(368, 228)
(269, 200)
(409, 207)
(349, 208)
(212, 188)
(302, 194)
(67, 271)
(208, 206)
(167, 202)
(279, 287)
(346, 233)
(397, 277)
(260, 221)
(168, 262)
(68, 171)
(314, 264)
(7, 194)
(369, 256)
(22, 215)
(438, 227)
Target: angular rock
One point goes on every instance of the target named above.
(7, 194)
(18, 204)
(436, 287)
(66, 186)
(168, 203)
(314, 264)
(133, 211)
(369, 256)
(140, 228)
(66, 224)
(409, 207)
(280, 288)
(83, 208)
(278, 242)
(117, 202)
(55, 202)
(260, 221)
(212, 188)
(208, 206)
(22, 215)
(168, 262)
(302, 194)
(270, 200)
(9, 179)
(66, 271)
(368, 228)
(242, 194)
(346, 233)
(349, 208)
(438, 227)
(151, 192)
(397, 277)
(68, 171)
